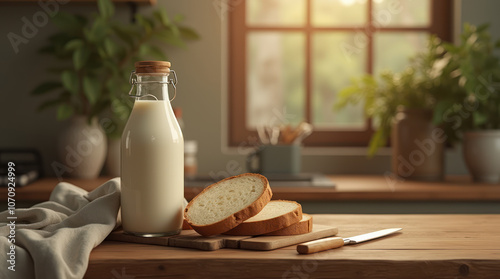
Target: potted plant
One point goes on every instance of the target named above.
(474, 116)
(400, 104)
(96, 54)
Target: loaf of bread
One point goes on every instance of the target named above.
(227, 203)
(304, 226)
(276, 215)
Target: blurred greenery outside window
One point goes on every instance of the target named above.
(289, 58)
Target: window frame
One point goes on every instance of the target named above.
(238, 133)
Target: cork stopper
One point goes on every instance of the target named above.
(152, 67)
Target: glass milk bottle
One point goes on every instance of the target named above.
(152, 156)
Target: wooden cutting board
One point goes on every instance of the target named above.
(191, 239)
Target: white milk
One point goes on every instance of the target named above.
(152, 170)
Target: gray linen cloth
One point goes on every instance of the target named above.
(54, 239)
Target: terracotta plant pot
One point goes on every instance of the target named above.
(482, 155)
(81, 149)
(417, 146)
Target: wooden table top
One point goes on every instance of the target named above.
(348, 188)
(430, 246)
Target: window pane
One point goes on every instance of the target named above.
(339, 12)
(392, 50)
(401, 12)
(276, 12)
(332, 70)
(275, 78)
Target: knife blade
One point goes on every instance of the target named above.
(336, 242)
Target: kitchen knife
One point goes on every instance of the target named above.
(336, 242)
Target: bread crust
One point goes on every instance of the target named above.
(268, 225)
(185, 225)
(301, 227)
(236, 218)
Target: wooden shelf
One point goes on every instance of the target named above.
(145, 2)
(348, 188)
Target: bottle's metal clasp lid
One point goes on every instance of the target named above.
(133, 81)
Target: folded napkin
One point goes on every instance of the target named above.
(54, 239)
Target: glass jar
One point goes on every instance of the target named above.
(190, 160)
(152, 157)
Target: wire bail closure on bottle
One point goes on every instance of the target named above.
(133, 81)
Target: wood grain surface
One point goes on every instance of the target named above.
(430, 246)
(191, 239)
(266, 243)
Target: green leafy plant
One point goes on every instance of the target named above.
(477, 67)
(97, 54)
(416, 87)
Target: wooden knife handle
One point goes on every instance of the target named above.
(320, 245)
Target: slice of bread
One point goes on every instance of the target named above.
(185, 225)
(275, 216)
(225, 204)
(304, 226)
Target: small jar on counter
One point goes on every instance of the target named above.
(190, 160)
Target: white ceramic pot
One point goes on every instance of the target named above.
(113, 158)
(482, 155)
(81, 149)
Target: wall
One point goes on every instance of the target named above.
(200, 94)
(482, 11)
(22, 126)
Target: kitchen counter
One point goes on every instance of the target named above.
(353, 194)
(348, 188)
(430, 246)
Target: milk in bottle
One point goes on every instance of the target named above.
(152, 157)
